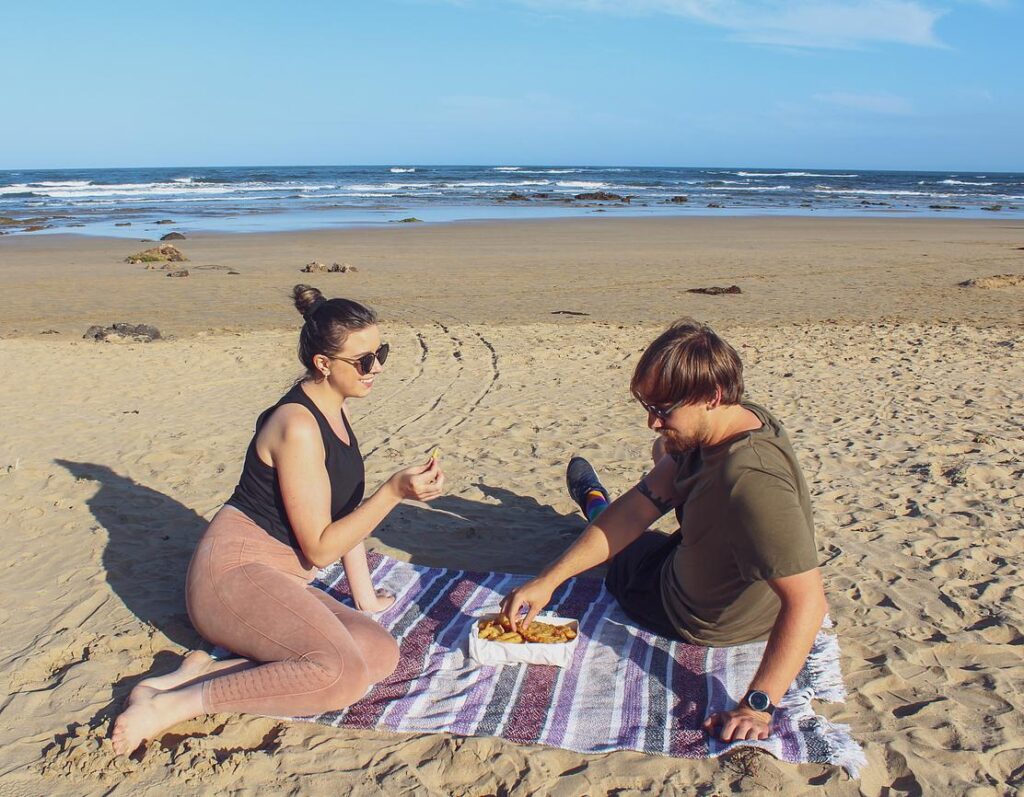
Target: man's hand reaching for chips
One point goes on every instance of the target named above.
(533, 596)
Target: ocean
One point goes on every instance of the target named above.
(128, 202)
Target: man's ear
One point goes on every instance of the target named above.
(717, 400)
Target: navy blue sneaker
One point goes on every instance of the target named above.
(581, 479)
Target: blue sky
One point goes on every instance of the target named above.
(887, 84)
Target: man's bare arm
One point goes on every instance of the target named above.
(803, 608)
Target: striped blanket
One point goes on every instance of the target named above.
(626, 689)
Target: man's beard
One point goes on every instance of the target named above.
(676, 443)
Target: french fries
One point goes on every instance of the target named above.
(499, 629)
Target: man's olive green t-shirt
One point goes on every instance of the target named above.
(744, 517)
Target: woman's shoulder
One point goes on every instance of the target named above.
(292, 423)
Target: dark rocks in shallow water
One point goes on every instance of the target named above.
(678, 199)
(601, 196)
(123, 333)
(172, 236)
(945, 207)
(182, 273)
(36, 228)
(715, 290)
(122, 224)
(714, 205)
(993, 208)
(409, 220)
(517, 197)
(541, 195)
(165, 253)
(164, 221)
(37, 222)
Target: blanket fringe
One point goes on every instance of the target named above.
(844, 751)
(823, 666)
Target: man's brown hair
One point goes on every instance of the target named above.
(688, 363)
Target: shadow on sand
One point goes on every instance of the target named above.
(518, 534)
(150, 542)
(151, 537)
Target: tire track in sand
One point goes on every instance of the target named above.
(471, 359)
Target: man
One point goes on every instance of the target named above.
(743, 565)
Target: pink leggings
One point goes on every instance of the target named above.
(250, 593)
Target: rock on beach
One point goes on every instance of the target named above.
(121, 332)
(165, 253)
(323, 268)
(995, 281)
(716, 290)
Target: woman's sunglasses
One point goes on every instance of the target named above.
(364, 363)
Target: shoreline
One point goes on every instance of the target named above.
(531, 215)
(303, 198)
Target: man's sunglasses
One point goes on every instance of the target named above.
(364, 363)
(661, 413)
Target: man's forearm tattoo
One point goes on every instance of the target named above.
(661, 504)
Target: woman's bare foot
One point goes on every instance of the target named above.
(195, 664)
(382, 599)
(151, 714)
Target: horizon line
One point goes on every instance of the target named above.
(494, 165)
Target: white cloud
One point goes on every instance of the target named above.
(886, 104)
(794, 23)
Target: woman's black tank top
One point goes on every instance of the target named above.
(258, 493)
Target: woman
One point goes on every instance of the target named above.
(298, 507)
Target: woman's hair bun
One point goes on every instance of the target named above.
(306, 297)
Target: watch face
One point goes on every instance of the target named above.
(758, 701)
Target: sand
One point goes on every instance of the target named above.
(900, 389)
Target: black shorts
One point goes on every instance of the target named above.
(634, 580)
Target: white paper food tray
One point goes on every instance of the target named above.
(557, 654)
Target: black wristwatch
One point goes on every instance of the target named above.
(759, 701)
